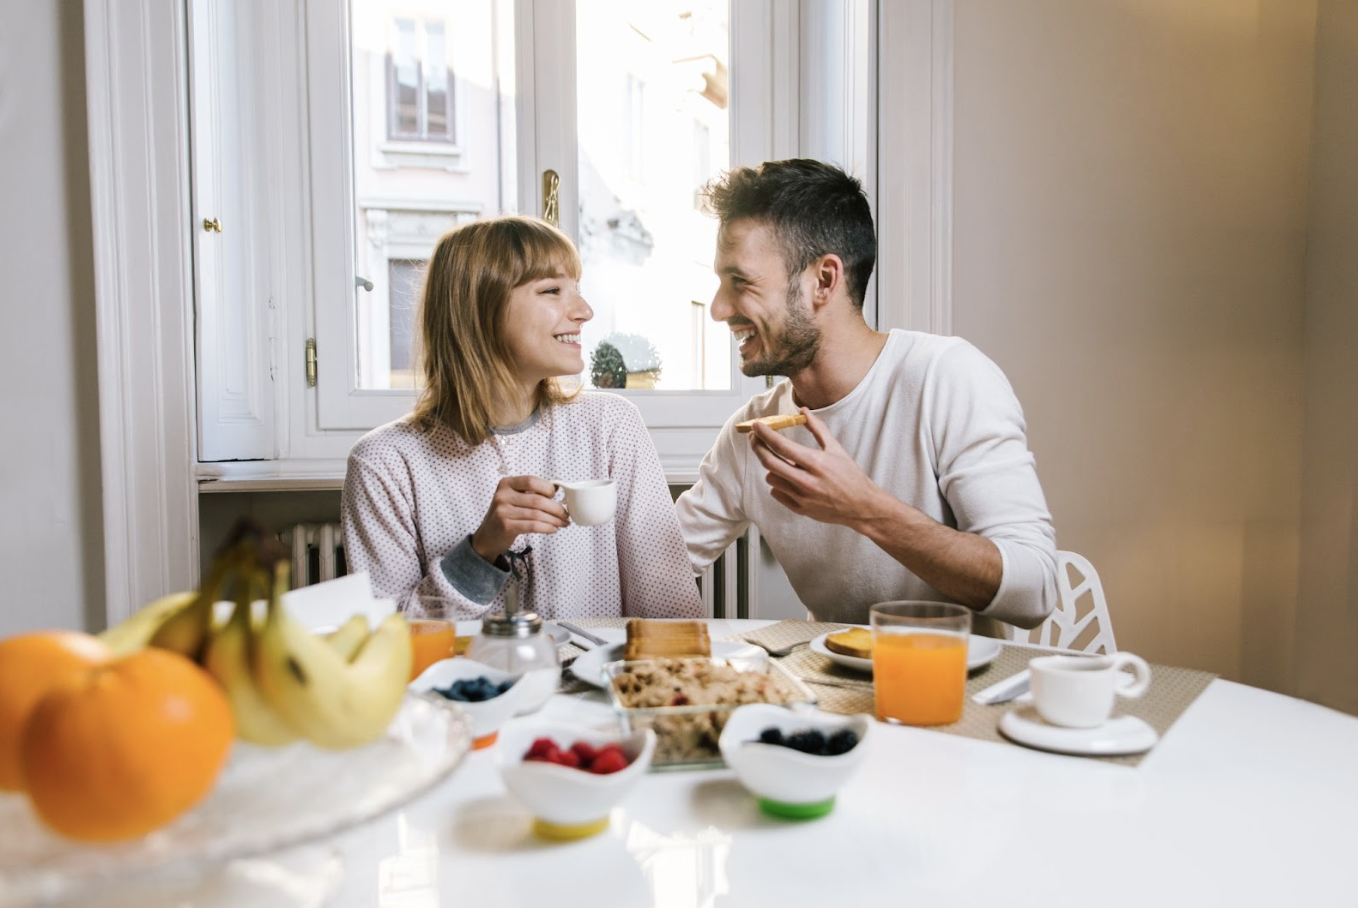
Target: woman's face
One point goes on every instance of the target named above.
(542, 326)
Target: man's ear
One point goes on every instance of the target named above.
(828, 271)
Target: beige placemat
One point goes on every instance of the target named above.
(844, 691)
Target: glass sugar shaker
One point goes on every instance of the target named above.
(515, 642)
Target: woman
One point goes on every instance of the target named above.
(441, 506)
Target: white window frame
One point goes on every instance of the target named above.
(142, 233)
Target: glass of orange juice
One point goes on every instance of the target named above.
(919, 661)
(431, 640)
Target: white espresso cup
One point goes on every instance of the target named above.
(1078, 691)
(590, 502)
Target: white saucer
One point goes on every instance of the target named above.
(589, 666)
(1119, 736)
(980, 651)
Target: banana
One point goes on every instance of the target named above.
(349, 637)
(135, 632)
(228, 660)
(334, 703)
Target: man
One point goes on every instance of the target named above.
(912, 477)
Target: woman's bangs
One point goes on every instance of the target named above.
(547, 254)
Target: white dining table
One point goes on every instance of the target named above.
(1251, 798)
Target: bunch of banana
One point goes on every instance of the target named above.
(283, 682)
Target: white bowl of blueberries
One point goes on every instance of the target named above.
(490, 696)
(793, 761)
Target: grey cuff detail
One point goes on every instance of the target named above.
(473, 576)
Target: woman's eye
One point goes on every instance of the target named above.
(556, 290)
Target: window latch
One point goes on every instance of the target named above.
(311, 362)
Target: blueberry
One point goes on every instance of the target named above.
(506, 685)
(808, 742)
(771, 736)
(841, 742)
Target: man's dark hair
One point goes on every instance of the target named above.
(813, 208)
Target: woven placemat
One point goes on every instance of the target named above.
(841, 690)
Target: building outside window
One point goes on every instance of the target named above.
(419, 83)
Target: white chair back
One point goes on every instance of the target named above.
(1070, 621)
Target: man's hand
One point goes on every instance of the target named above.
(521, 504)
(825, 484)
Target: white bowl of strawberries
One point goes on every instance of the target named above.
(570, 777)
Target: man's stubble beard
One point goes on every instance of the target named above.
(796, 345)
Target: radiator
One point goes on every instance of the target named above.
(317, 552)
(725, 584)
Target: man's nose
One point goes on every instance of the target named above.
(721, 308)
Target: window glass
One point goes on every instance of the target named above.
(653, 126)
(433, 132)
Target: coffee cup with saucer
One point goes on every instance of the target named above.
(1072, 701)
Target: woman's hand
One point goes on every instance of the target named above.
(521, 504)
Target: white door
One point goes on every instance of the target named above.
(428, 113)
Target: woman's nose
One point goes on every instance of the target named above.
(583, 312)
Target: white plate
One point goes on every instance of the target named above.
(980, 651)
(268, 799)
(558, 634)
(1119, 736)
(589, 667)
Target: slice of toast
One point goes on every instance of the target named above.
(856, 641)
(667, 640)
(777, 421)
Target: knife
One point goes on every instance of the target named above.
(1003, 691)
(581, 632)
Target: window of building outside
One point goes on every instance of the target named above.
(419, 82)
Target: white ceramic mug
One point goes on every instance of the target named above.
(590, 501)
(1078, 691)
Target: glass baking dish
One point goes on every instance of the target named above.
(687, 732)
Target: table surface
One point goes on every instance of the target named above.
(1250, 799)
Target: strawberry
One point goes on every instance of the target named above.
(567, 758)
(585, 751)
(610, 759)
(542, 749)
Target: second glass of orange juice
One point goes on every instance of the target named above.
(431, 640)
(919, 661)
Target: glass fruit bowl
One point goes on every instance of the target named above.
(267, 800)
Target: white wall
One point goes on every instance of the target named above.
(1327, 616)
(50, 516)
(1130, 212)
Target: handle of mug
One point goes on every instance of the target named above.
(1141, 672)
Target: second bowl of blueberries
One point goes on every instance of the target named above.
(490, 696)
(793, 761)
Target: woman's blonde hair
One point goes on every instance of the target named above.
(463, 312)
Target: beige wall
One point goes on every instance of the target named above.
(1327, 615)
(1130, 212)
(50, 518)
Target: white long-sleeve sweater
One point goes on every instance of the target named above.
(936, 424)
(412, 499)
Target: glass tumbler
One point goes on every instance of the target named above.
(919, 661)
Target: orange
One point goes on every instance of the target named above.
(126, 747)
(30, 664)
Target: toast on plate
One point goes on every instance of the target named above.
(777, 421)
(856, 641)
(667, 640)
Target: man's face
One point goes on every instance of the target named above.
(767, 314)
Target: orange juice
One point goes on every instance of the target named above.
(919, 679)
(431, 639)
